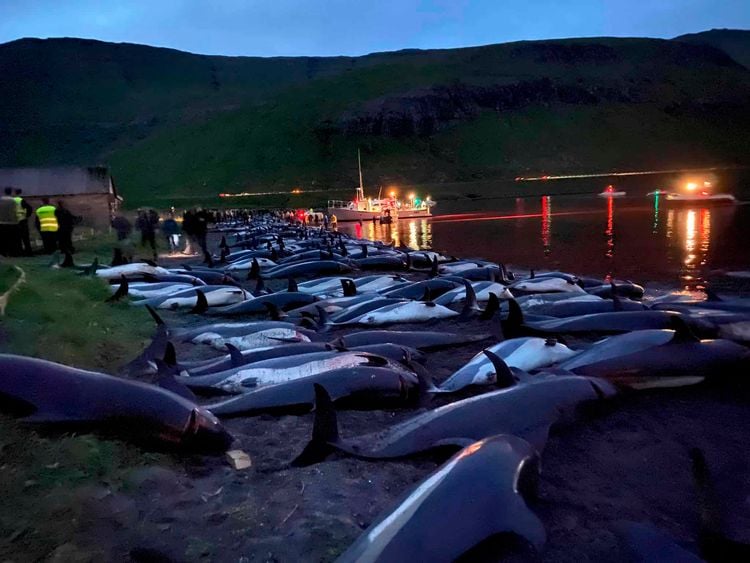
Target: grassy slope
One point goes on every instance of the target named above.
(179, 128)
(61, 317)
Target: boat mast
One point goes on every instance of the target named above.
(361, 189)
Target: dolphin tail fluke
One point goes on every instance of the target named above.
(503, 376)
(325, 431)
(493, 306)
(121, 292)
(201, 303)
(292, 286)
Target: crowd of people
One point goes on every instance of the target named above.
(193, 228)
(55, 224)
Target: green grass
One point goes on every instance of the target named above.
(60, 316)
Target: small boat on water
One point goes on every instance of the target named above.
(609, 191)
(385, 210)
(694, 194)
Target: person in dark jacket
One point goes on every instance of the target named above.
(66, 222)
(202, 219)
(189, 228)
(122, 227)
(147, 226)
(171, 230)
(25, 211)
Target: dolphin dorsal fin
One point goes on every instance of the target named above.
(550, 342)
(503, 375)
(682, 332)
(471, 296)
(170, 355)
(292, 286)
(711, 295)
(201, 303)
(515, 315)
(492, 307)
(235, 355)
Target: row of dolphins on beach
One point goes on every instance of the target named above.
(333, 341)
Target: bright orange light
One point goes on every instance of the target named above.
(691, 186)
(411, 196)
(393, 194)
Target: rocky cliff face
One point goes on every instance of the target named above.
(424, 112)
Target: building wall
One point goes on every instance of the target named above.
(96, 209)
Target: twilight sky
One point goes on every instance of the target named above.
(355, 27)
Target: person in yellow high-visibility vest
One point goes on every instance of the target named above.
(46, 222)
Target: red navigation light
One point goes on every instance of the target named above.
(545, 177)
(610, 188)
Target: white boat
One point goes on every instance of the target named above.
(385, 210)
(716, 199)
(694, 193)
(609, 191)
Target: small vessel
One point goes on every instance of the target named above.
(609, 191)
(385, 210)
(695, 194)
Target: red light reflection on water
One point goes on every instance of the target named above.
(547, 224)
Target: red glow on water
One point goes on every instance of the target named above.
(546, 223)
(465, 217)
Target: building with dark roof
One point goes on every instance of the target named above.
(88, 192)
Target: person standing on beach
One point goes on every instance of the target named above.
(171, 230)
(10, 239)
(147, 226)
(122, 227)
(188, 228)
(23, 212)
(46, 223)
(201, 228)
(66, 222)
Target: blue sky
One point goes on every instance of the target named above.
(354, 27)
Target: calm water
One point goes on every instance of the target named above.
(637, 238)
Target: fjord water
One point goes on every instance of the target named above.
(638, 237)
